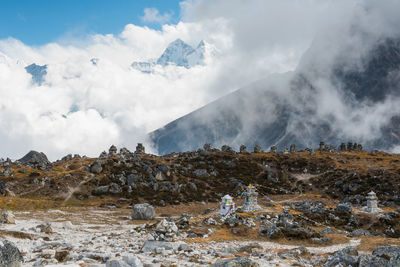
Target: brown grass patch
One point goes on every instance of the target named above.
(369, 243)
(187, 208)
(17, 234)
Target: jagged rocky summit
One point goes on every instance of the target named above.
(177, 53)
(38, 73)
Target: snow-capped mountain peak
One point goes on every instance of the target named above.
(177, 53)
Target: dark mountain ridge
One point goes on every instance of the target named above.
(281, 113)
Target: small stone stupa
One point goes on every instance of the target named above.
(227, 205)
(250, 198)
(372, 203)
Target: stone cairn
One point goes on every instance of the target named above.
(112, 151)
(342, 147)
(257, 149)
(243, 149)
(321, 146)
(293, 148)
(226, 148)
(207, 147)
(139, 149)
(372, 203)
(250, 198)
(274, 149)
(349, 146)
(165, 231)
(103, 155)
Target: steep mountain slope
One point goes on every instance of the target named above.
(269, 113)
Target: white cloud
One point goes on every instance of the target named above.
(83, 108)
(152, 15)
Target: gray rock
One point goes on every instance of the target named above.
(66, 158)
(235, 262)
(45, 228)
(7, 172)
(394, 261)
(228, 251)
(250, 247)
(184, 247)
(272, 232)
(116, 263)
(101, 190)
(164, 168)
(96, 167)
(143, 212)
(132, 179)
(160, 176)
(360, 232)
(201, 173)
(3, 188)
(386, 252)
(344, 208)
(192, 186)
(114, 189)
(132, 261)
(152, 246)
(10, 256)
(363, 260)
(7, 217)
(341, 258)
(35, 158)
(378, 262)
(352, 251)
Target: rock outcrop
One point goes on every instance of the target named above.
(10, 256)
(143, 212)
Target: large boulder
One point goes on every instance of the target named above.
(96, 167)
(3, 188)
(344, 208)
(386, 252)
(127, 261)
(235, 262)
(35, 158)
(7, 217)
(152, 246)
(143, 211)
(344, 257)
(10, 256)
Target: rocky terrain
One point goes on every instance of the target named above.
(135, 209)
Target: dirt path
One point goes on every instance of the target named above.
(72, 190)
(33, 190)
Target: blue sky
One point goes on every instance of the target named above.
(36, 22)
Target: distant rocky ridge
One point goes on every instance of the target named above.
(177, 53)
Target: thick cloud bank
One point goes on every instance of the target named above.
(345, 88)
(85, 105)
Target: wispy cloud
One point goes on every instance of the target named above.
(152, 15)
